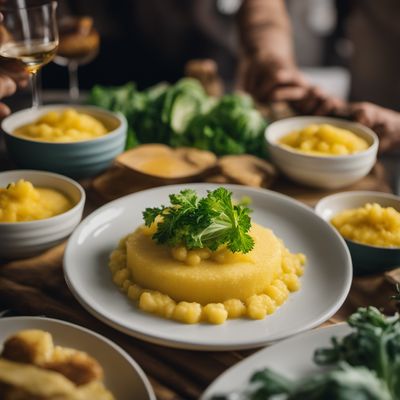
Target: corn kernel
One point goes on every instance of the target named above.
(215, 313)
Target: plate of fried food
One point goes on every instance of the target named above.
(208, 267)
(47, 359)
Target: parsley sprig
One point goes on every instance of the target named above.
(207, 222)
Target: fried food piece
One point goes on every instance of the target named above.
(29, 346)
(36, 347)
(20, 381)
(77, 366)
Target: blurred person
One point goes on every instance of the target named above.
(270, 73)
(373, 29)
(268, 69)
(150, 41)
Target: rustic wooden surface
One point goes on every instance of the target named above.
(36, 286)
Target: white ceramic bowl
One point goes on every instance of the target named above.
(367, 259)
(24, 239)
(328, 172)
(76, 159)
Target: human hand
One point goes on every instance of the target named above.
(384, 122)
(11, 74)
(316, 102)
(7, 88)
(271, 80)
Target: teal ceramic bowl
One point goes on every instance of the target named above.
(78, 159)
(367, 259)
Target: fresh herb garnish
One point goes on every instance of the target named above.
(207, 222)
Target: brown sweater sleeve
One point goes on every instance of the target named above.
(264, 30)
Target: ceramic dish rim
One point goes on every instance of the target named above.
(106, 317)
(132, 362)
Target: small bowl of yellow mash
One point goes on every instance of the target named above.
(322, 152)
(38, 210)
(370, 224)
(78, 141)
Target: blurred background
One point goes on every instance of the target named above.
(347, 47)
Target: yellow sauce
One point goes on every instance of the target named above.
(325, 140)
(64, 126)
(21, 201)
(164, 166)
(203, 286)
(371, 224)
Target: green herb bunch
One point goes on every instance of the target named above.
(207, 222)
(374, 343)
(365, 365)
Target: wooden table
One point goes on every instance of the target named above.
(36, 287)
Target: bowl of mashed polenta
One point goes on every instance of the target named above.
(78, 141)
(370, 224)
(322, 152)
(38, 210)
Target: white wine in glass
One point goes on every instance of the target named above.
(79, 45)
(28, 39)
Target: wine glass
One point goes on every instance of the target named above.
(29, 39)
(79, 45)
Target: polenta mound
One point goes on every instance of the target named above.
(21, 201)
(200, 285)
(371, 224)
(324, 140)
(63, 126)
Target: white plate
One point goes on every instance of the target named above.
(325, 283)
(291, 357)
(123, 376)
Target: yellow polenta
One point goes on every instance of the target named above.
(240, 276)
(63, 126)
(200, 285)
(324, 139)
(21, 201)
(371, 224)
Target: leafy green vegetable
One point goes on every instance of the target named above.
(184, 115)
(232, 126)
(208, 222)
(342, 383)
(375, 343)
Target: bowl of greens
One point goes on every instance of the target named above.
(183, 114)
